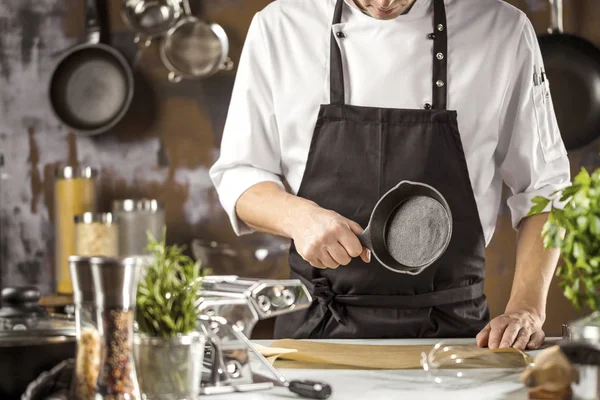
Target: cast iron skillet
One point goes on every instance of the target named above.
(374, 235)
(92, 85)
(573, 69)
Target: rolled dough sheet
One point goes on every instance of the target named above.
(288, 353)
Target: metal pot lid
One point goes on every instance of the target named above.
(24, 321)
(587, 328)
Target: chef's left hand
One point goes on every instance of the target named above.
(519, 328)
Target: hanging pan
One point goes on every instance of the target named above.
(573, 70)
(92, 85)
(150, 18)
(194, 48)
(410, 228)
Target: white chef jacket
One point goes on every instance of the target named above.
(507, 123)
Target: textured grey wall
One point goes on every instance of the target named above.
(30, 37)
(162, 149)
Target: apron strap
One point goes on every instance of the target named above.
(336, 69)
(440, 58)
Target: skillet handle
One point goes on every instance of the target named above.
(556, 11)
(365, 239)
(92, 23)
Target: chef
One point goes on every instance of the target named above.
(336, 101)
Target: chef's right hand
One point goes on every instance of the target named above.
(326, 239)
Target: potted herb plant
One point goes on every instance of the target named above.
(574, 228)
(168, 348)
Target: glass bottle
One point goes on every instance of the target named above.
(115, 284)
(462, 366)
(74, 193)
(87, 361)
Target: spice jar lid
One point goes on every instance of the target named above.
(587, 328)
(129, 205)
(24, 322)
(71, 172)
(90, 218)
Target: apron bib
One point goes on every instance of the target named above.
(356, 155)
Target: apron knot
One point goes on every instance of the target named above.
(326, 298)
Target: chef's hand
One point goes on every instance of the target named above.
(518, 328)
(326, 239)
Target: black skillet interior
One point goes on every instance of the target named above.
(385, 209)
(91, 88)
(572, 65)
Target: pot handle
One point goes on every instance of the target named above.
(556, 12)
(20, 302)
(92, 24)
(187, 10)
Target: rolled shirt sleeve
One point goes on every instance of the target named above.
(532, 158)
(250, 151)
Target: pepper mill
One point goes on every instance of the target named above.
(87, 361)
(115, 284)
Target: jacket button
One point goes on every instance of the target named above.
(340, 35)
(440, 56)
(427, 106)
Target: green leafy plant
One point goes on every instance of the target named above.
(574, 228)
(168, 291)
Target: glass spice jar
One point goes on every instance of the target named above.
(137, 218)
(87, 360)
(115, 284)
(96, 235)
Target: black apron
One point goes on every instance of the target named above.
(356, 155)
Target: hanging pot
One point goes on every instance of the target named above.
(31, 340)
(150, 18)
(92, 85)
(194, 48)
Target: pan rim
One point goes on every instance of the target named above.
(588, 53)
(129, 78)
(408, 269)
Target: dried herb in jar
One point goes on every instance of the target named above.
(117, 380)
(87, 364)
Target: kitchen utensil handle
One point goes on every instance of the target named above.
(556, 12)
(92, 24)
(365, 238)
(310, 389)
(187, 10)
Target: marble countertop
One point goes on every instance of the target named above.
(393, 384)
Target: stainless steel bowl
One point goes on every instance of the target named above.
(253, 256)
